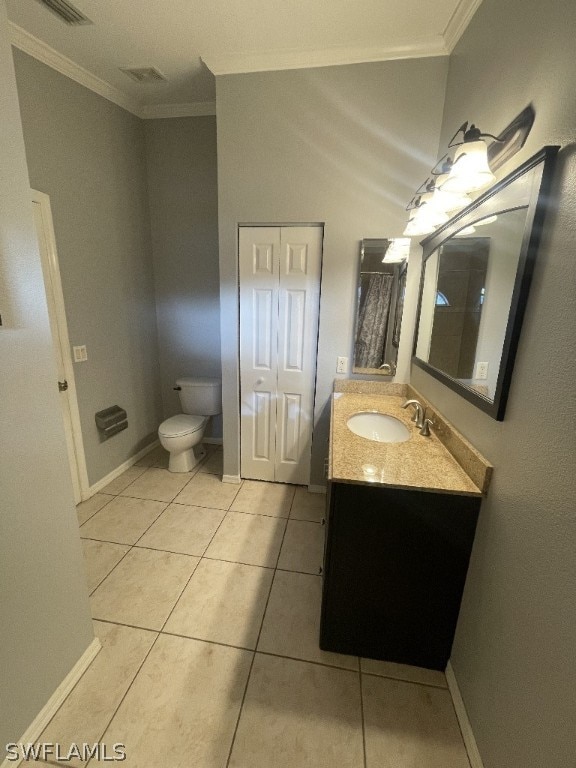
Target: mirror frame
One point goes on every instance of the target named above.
(543, 161)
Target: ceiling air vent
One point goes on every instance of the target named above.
(145, 74)
(66, 11)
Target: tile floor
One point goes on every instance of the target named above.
(206, 598)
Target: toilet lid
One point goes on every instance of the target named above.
(182, 424)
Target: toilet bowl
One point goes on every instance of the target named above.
(182, 435)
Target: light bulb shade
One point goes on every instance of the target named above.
(470, 170)
(416, 228)
(448, 202)
(423, 222)
(429, 213)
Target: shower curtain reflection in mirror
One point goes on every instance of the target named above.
(373, 313)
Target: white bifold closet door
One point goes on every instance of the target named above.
(280, 270)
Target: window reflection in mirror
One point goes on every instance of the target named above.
(468, 285)
(380, 301)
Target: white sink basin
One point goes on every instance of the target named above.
(379, 427)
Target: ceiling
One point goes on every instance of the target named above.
(190, 41)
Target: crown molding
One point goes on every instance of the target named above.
(194, 109)
(47, 55)
(459, 20)
(268, 61)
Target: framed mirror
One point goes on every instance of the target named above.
(476, 275)
(380, 300)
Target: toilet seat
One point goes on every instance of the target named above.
(182, 424)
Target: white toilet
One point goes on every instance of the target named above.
(182, 435)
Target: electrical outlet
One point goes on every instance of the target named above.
(481, 370)
(342, 365)
(80, 354)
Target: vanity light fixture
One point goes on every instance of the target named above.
(470, 170)
(397, 251)
(426, 215)
(449, 202)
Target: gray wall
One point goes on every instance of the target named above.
(514, 653)
(89, 156)
(45, 624)
(182, 184)
(345, 146)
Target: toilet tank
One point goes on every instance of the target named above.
(200, 396)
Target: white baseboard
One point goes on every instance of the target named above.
(118, 471)
(465, 726)
(35, 729)
(317, 488)
(212, 440)
(231, 479)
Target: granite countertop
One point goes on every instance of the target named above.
(419, 463)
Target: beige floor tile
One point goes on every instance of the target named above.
(264, 498)
(123, 520)
(298, 714)
(303, 547)
(409, 726)
(157, 457)
(184, 529)
(158, 484)
(292, 621)
(86, 509)
(205, 490)
(182, 709)
(308, 506)
(100, 557)
(213, 464)
(124, 480)
(250, 539)
(403, 672)
(143, 588)
(86, 712)
(223, 602)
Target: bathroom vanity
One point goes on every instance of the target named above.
(401, 519)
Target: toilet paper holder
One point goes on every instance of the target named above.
(111, 420)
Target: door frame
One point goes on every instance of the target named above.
(281, 225)
(52, 269)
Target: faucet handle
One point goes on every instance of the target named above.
(426, 424)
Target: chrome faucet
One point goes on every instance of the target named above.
(418, 417)
(425, 431)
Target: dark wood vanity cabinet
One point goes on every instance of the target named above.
(395, 564)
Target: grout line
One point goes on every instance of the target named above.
(405, 680)
(131, 547)
(114, 713)
(255, 647)
(310, 661)
(112, 496)
(238, 562)
(209, 642)
(194, 571)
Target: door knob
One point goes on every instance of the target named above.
(62, 386)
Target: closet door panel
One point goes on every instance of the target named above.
(298, 305)
(259, 251)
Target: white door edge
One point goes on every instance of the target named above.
(80, 476)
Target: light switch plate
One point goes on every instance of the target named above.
(80, 354)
